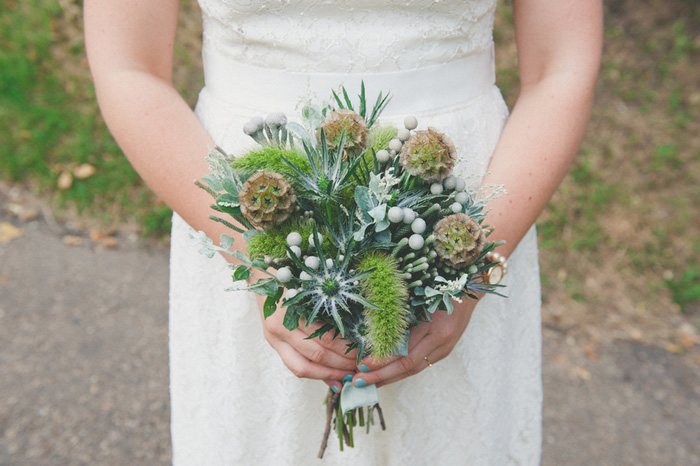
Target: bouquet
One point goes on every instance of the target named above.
(357, 226)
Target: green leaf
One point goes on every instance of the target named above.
(363, 198)
(241, 272)
(213, 182)
(322, 330)
(383, 237)
(434, 305)
(266, 287)
(348, 102)
(226, 241)
(360, 234)
(227, 200)
(382, 224)
(240, 255)
(378, 213)
(270, 305)
(291, 318)
(448, 303)
(249, 234)
(230, 187)
(259, 264)
(225, 223)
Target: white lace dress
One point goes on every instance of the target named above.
(233, 401)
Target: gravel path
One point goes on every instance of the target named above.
(84, 369)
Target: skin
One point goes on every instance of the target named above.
(130, 50)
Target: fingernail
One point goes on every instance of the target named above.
(334, 388)
(359, 383)
(364, 368)
(347, 378)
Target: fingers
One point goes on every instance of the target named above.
(336, 345)
(335, 385)
(304, 368)
(404, 366)
(372, 364)
(316, 352)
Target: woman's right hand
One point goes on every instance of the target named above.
(322, 358)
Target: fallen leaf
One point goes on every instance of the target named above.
(21, 212)
(109, 242)
(590, 352)
(65, 180)
(689, 341)
(635, 334)
(96, 235)
(9, 232)
(84, 171)
(582, 373)
(70, 240)
(674, 348)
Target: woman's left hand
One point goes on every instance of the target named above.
(429, 343)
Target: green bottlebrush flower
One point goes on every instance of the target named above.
(459, 239)
(355, 128)
(267, 199)
(269, 158)
(386, 326)
(429, 155)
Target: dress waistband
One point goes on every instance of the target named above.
(419, 90)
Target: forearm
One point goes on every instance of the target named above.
(538, 143)
(163, 140)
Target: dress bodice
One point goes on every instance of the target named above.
(346, 36)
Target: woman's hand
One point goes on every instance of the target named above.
(318, 358)
(429, 343)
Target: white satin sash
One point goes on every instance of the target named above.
(425, 89)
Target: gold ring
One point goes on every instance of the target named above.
(430, 364)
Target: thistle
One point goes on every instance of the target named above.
(330, 289)
(348, 122)
(459, 239)
(267, 199)
(385, 326)
(429, 155)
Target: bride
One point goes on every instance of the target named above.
(472, 393)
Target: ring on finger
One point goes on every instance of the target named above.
(430, 364)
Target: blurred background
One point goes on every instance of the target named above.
(619, 246)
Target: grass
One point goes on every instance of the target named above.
(628, 207)
(50, 123)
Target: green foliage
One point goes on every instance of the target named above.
(270, 158)
(157, 222)
(272, 242)
(686, 290)
(386, 326)
(379, 139)
(49, 120)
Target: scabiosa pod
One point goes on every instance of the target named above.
(267, 199)
(429, 154)
(348, 122)
(459, 239)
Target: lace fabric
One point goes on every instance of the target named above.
(347, 36)
(233, 401)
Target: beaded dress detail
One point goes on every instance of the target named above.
(233, 400)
